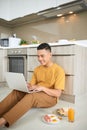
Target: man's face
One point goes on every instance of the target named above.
(44, 57)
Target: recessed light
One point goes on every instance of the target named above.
(59, 15)
(70, 12)
(59, 8)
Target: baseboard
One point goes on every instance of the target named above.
(68, 98)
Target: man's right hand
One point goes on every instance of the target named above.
(29, 86)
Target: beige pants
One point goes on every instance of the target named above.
(17, 103)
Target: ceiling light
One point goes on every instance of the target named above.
(58, 8)
(59, 15)
(71, 12)
(41, 13)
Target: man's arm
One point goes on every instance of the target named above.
(51, 92)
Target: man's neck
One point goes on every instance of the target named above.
(49, 64)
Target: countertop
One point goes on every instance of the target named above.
(60, 43)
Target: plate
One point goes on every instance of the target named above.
(50, 119)
(62, 111)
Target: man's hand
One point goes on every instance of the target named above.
(34, 87)
(39, 88)
(51, 92)
(31, 87)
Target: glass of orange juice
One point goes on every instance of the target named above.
(71, 115)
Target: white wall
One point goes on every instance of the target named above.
(11, 9)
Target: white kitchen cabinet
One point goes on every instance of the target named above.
(26, 8)
(60, 2)
(73, 59)
(3, 64)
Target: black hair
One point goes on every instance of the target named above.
(45, 46)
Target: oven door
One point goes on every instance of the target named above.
(17, 64)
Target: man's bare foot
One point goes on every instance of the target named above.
(2, 121)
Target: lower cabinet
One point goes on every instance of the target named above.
(73, 59)
(3, 64)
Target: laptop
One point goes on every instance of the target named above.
(17, 81)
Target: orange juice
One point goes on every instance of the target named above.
(71, 114)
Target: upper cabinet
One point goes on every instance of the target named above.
(16, 8)
(21, 12)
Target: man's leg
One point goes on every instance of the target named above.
(39, 99)
(9, 101)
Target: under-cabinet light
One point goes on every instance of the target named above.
(59, 15)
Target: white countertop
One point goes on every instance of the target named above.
(60, 42)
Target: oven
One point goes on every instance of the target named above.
(17, 60)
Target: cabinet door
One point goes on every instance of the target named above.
(63, 50)
(64, 55)
(68, 85)
(3, 64)
(66, 62)
(29, 75)
(32, 63)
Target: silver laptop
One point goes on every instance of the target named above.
(17, 81)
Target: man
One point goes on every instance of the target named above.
(48, 79)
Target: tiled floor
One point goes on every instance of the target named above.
(32, 120)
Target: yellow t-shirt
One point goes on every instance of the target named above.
(50, 77)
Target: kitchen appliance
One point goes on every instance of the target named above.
(4, 42)
(10, 42)
(74, 6)
(17, 60)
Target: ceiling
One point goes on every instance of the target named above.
(76, 7)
